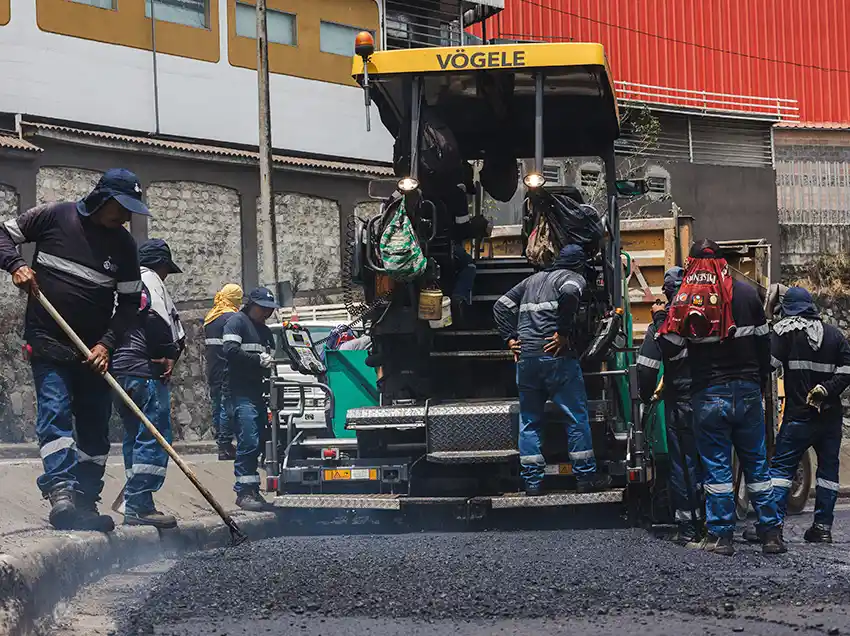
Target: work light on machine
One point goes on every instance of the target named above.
(534, 180)
(408, 184)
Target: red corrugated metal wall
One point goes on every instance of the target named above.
(797, 49)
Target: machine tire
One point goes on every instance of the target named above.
(801, 485)
(797, 498)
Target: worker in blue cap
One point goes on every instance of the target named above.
(535, 319)
(815, 359)
(248, 348)
(87, 267)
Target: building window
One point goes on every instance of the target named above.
(192, 13)
(338, 38)
(657, 185)
(280, 26)
(552, 173)
(590, 178)
(101, 4)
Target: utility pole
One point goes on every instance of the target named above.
(155, 76)
(266, 211)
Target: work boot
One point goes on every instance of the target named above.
(687, 532)
(715, 544)
(751, 535)
(533, 490)
(89, 518)
(226, 453)
(252, 501)
(772, 542)
(593, 483)
(153, 518)
(819, 533)
(63, 511)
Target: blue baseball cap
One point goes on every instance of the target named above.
(119, 184)
(154, 252)
(262, 297)
(797, 301)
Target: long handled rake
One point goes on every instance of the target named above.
(236, 535)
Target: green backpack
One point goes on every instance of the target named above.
(400, 251)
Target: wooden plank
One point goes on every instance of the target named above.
(669, 248)
(686, 230)
(642, 240)
(639, 225)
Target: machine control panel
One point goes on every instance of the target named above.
(298, 345)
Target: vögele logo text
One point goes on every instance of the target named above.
(481, 59)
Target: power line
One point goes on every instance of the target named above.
(669, 39)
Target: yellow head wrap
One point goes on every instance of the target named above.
(226, 301)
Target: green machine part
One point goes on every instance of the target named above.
(354, 385)
(656, 431)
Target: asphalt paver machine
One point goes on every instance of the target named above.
(446, 427)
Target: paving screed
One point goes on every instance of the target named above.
(584, 581)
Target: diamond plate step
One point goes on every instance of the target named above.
(519, 500)
(472, 457)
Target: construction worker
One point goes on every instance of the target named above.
(815, 358)
(685, 467)
(143, 365)
(225, 304)
(721, 324)
(83, 256)
(248, 347)
(535, 319)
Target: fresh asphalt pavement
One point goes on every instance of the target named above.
(595, 581)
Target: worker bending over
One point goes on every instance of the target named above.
(721, 324)
(816, 361)
(225, 305)
(535, 319)
(248, 347)
(143, 365)
(685, 467)
(83, 256)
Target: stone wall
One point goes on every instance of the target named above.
(64, 184)
(201, 224)
(17, 394)
(308, 242)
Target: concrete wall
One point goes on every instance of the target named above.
(728, 203)
(813, 186)
(207, 212)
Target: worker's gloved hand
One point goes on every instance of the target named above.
(99, 359)
(24, 278)
(816, 397)
(266, 360)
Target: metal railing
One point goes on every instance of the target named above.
(778, 108)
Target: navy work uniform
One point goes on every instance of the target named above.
(532, 312)
(143, 366)
(815, 358)
(79, 265)
(678, 413)
(248, 348)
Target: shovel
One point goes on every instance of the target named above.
(236, 535)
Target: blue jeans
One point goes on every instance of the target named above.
(72, 425)
(683, 457)
(222, 416)
(823, 433)
(145, 461)
(730, 415)
(558, 379)
(250, 416)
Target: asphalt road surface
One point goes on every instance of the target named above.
(587, 581)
